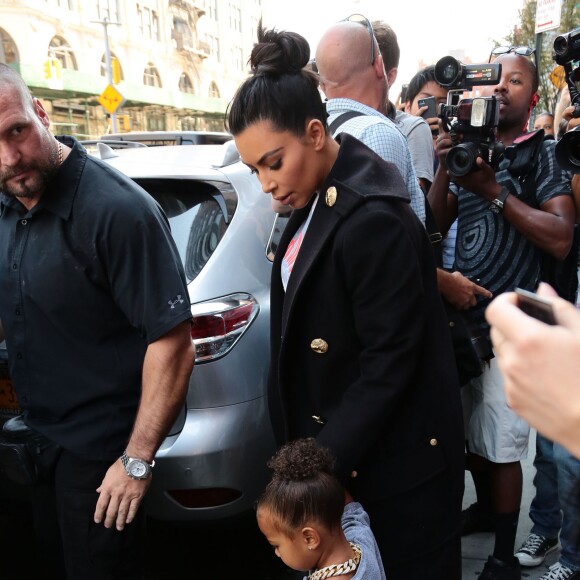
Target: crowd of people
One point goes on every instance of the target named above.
(399, 357)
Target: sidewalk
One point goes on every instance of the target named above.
(477, 547)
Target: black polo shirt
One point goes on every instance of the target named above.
(88, 278)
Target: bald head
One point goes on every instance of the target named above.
(11, 81)
(343, 58)
(344, 51)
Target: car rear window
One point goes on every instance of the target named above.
(199, 214)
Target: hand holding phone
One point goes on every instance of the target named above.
(535, 306)
(431, 110)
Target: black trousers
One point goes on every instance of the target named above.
(442, 563)
(73, 546)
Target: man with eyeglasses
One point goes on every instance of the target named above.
(504, 227)
(353, 78)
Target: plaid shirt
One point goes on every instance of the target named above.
(381, 135)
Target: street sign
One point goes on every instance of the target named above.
(111, 99)
(558, 77)
(548, 15)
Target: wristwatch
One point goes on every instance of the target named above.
(496, 206)
(136, 468)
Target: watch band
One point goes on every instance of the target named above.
(496, 205)
(126, 461)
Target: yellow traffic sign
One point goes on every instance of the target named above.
(558, 77)
(111, 99)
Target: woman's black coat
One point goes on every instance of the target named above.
(361, 354)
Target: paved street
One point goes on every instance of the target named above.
(212, 554)
(477, 547)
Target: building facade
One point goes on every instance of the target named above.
(142, 65)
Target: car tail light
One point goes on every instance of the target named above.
(204, 498)
(219, 323)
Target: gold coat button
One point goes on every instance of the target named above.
(318, 419)
(331, 196)
(354, 473)
(319, 345)
(433, 442)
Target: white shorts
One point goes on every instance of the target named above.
(493, 430)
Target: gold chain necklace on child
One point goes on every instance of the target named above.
(339, 569)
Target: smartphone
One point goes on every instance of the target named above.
(431, 110)
(404, 90)
(535, 306)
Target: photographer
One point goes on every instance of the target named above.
(502, 231)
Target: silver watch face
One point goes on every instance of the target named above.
(137, 469)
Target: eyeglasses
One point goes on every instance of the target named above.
(521, 50)
(367, 23)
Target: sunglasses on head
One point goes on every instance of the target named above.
(521, 50)
(367, 24)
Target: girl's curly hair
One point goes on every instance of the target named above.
(303, 487)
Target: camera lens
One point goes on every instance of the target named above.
(461, 158)
(561, 44)
(568, 151)
(447, 71)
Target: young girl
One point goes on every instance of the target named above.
(303, 515)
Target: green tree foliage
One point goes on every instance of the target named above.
(524, 35)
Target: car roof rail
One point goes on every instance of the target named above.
(229, 154)
(113, 144)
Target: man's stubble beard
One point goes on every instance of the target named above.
(42, 173)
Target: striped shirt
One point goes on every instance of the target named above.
(381, 135)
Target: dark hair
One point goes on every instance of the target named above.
(280, 89)
(388, 44)
(303, 487)
(418, 81)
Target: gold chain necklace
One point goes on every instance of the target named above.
(59, 155)
(339, 569)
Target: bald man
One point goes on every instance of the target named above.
(353, 78)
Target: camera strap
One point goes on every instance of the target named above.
(341, 119)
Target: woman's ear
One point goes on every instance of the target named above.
(315, 133)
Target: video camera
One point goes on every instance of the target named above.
(475, 120)
(567, 52)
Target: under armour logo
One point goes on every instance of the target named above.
(172, 303)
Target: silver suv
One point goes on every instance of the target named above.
(212, 466)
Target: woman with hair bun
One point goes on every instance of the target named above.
(303, 515)
(361, 357)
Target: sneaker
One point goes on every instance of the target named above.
(474, 520)
(495, 569)
(559, 572)
(535, 549)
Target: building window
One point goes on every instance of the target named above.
(238, 58)
(214, 46)
(185, 84)
(214, 90)
(212, 9)
(148, 21)
(60, 49)
(235, 18)
(8, 51)
(182, 34)
(151, 76)
(68, 4)
(108, 9)
(156, 122)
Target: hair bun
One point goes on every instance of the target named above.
(279, 52)
(301, 460)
